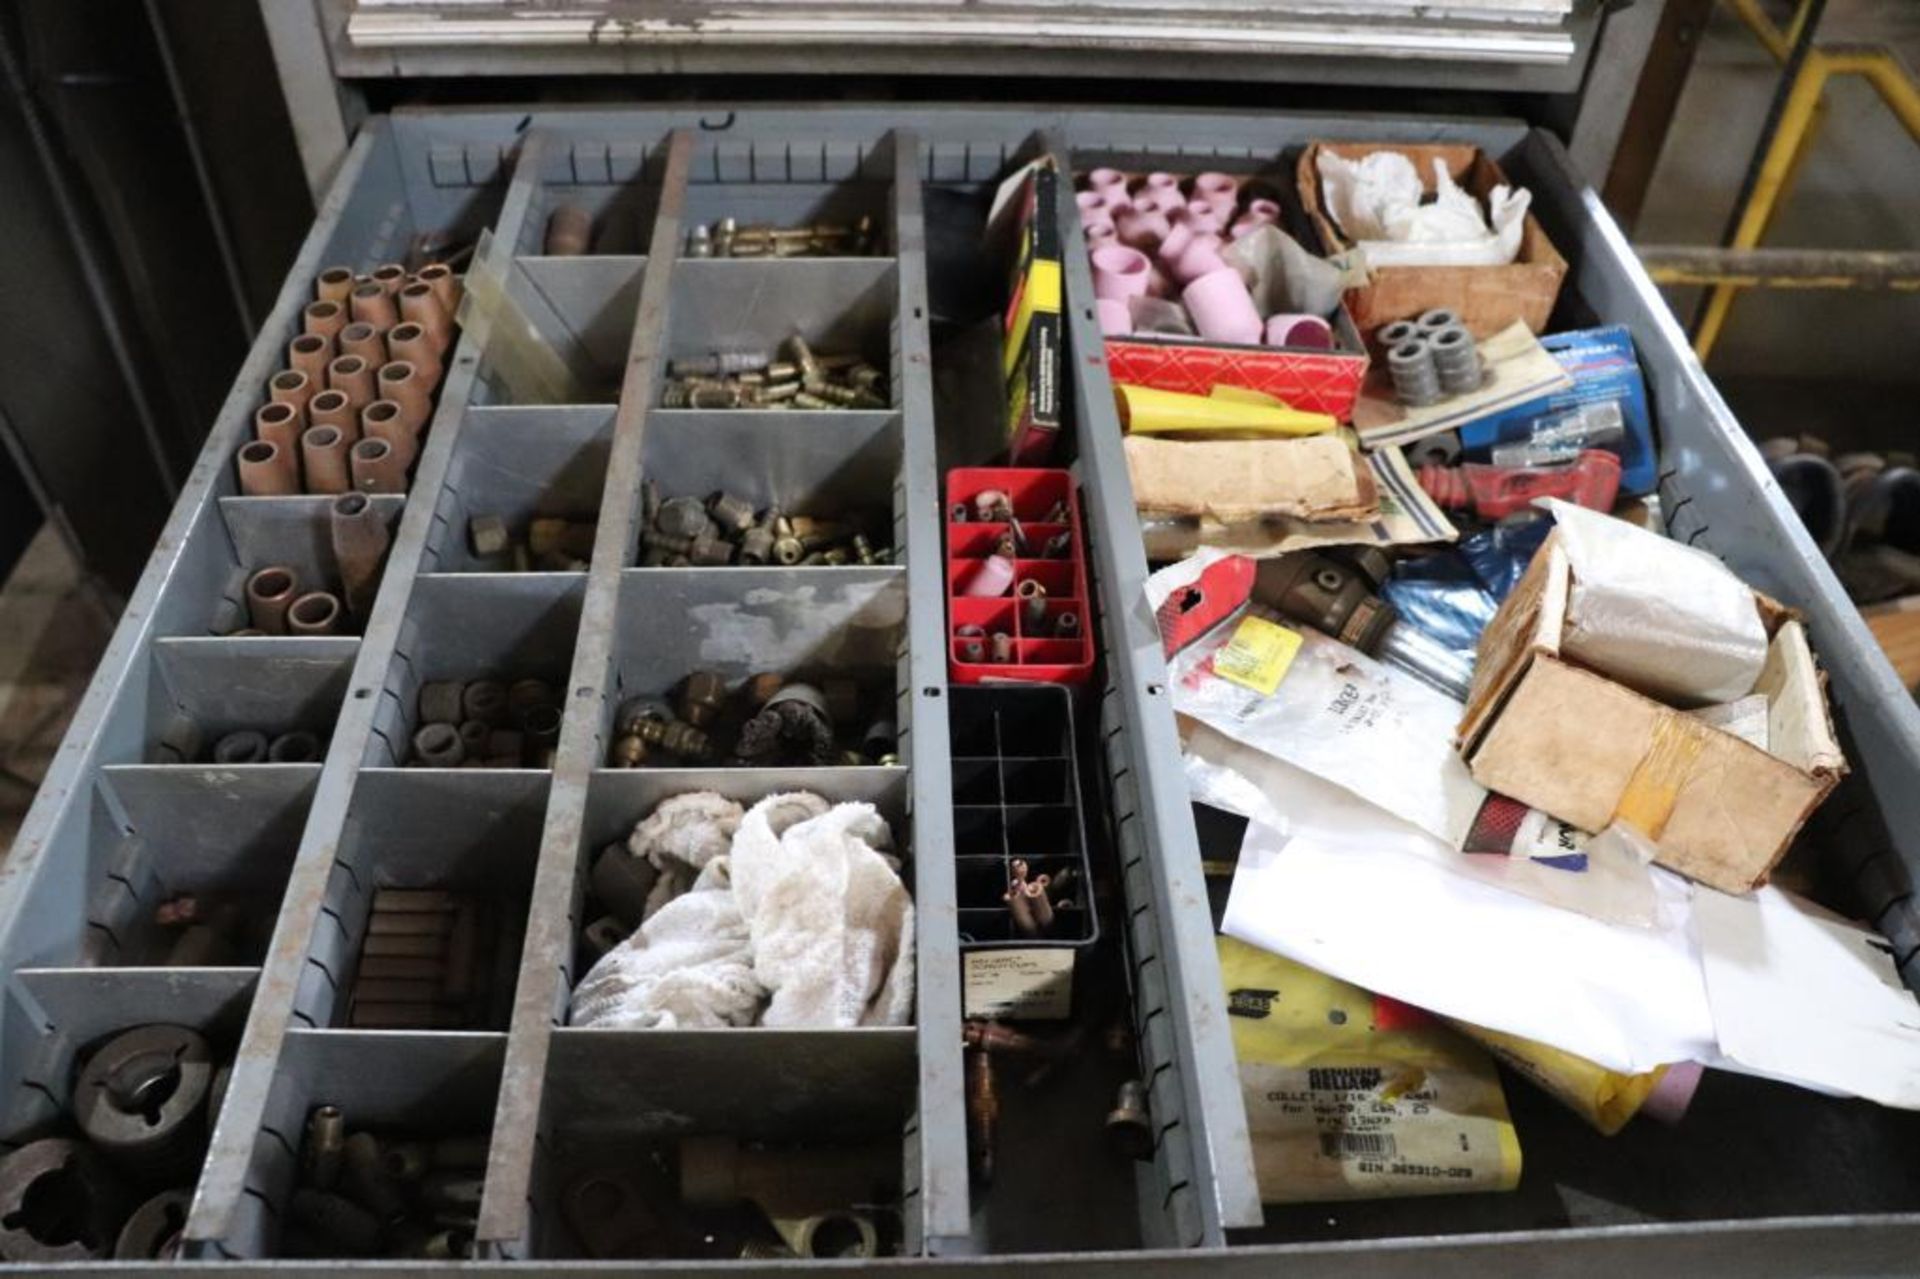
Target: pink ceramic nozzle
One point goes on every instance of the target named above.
(1116, 318)
(1100, 234)
(993, 577)
(1177, 239)
(1200, 257)
(1092, 204)
(1215, 187)
(1140, 228)
(1161, 182)
(1120, 272)
(1166, 199)
(1299, 330)
(1103, 179)
(1265, 210)
(1221, 308)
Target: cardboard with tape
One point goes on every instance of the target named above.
(1582, 746)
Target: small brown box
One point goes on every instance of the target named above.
(1573, 743)
(1487, 298)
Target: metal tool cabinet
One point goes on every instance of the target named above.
(115, 820)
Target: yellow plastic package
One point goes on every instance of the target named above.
(1351, 1096)
(1604, 1098)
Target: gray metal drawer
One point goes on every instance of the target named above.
(320, 834)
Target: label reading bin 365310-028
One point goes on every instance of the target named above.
(1035, 985)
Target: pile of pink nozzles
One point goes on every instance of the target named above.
(1158, 236)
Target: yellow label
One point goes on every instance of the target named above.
(1258, 655)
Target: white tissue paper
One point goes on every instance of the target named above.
(795, 916)
(1660, 617)
(1377, 203)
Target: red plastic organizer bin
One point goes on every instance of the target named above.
(1040, 653)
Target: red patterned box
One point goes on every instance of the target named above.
(1311, 381)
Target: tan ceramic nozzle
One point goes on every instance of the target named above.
(372, 304)
(389, 276)
(386, 420)
(291, 387)
(324, 318)
(401, 382)
(377, 468)
(333, 284)
(409, 343)
(323, 453)
(309, 354)
(352, 376)
(365, 341)
(569, 231)
(269, 593)
(315, 613)
(332, 408)
(446, 286)
(419, 304)
(280, 424)
(267, 470)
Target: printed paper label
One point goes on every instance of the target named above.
(1257, 655)
(1019, 984)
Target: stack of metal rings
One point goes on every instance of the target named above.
(1431, 358)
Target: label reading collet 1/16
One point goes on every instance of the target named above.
(1363, 1132)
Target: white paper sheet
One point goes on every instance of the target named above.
(1799, 994)
(1628, 998)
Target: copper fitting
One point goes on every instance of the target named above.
(569, 231)
(703, 698)
(1020, 907)
(372, 303)
(390, 276)
(332, 408)
(401, 382)
(333, 284)
(365, 341)
(983, 1114)
(325, 319)
(352, 376)
(280, 424)
(411, 343)
(309, 354)
(1035, 891)
(419, 305)
(360, 541)
(376, 468)
(269, 592)
(291, 387)
(1018, 869)
(315, 613)
(445, 284)
(323, 458)
(267, 470)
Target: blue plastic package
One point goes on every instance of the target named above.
(1604, 370)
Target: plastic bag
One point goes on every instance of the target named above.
(1378, 204)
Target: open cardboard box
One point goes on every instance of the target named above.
(1573, 743)
(1310, 379)
(1487, 298)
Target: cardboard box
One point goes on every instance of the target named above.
(1311, 380)
(1570, 741)
(1033, 330)
(1487, 298)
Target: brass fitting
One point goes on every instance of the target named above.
(326, 1138)
(733, 514)
(756, 546)
(788, 550)
(675, 738)
(863, 550)
(488, 535)
(702, 698)
(803, 356)
(1129, 1126)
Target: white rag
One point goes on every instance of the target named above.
(805, 917)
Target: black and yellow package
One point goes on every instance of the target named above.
(1351, 1096)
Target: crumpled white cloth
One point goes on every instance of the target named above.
(1378, 204)
(801, 922)
(680, 836)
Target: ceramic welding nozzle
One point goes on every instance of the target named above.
(324, 319)
(992, 578)
(1120, 272)
(1116, 317)
(334, 409)
(352, 376)
(309, 354)
(333, 284)
(402, 383)
(420, 305)
(323, 458)
(377, 468)
(364, 340)
(269, 593)
(291, 387)
(1221, 307)
(370, 303)
(279, 423)
(445, 285)
(267, 470)
(1141, 229)
(409, 343)
(1300, 331)
(1200, 257)
(315, 613)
